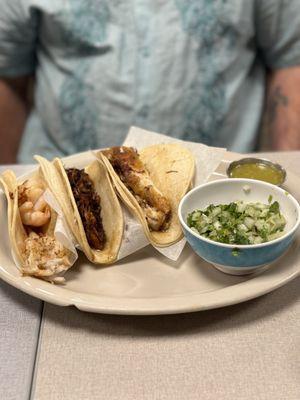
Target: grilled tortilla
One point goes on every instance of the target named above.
(31, 223)
(90, 205)
(151, 183)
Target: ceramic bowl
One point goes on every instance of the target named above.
(239, 259)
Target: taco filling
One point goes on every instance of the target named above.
(132, 172)
(44, 256)
(89, 206)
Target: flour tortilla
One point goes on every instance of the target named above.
(16, 230)
(171, 168)
(111, 212)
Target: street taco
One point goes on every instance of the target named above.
(91, 207)
(151, 183)
(31, 223)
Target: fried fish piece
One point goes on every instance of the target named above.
(133, 173)
(151, 184)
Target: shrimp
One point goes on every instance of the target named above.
(34, 183)
(40, 204)
(34, 211)
(30, 190)
(34, 193)
(35, 218)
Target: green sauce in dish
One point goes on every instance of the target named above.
(257, 171)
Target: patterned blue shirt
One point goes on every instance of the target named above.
(193, 69)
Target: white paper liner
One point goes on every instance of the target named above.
(61, 230)
(134, 238)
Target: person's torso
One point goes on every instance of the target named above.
(183, 68)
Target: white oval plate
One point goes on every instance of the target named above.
(146, 282)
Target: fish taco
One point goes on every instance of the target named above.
(151, 183)
(91, 207)
(31, 222)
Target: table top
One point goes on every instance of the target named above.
(247, 351)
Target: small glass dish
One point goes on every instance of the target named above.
(257, 168)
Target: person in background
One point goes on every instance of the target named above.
(198, 70)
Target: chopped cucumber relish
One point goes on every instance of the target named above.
(238, 222)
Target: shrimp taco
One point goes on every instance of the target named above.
(151, 183)
(91, 207)
(31, 223)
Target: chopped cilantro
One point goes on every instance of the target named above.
(238, 222)
(274, 207)
(270, 198)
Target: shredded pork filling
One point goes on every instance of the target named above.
(89, 206)
(132, 172)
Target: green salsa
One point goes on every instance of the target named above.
(239, 222)
(257, 171)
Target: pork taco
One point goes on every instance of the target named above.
(151, 183)
(91, 207)
(31, 223)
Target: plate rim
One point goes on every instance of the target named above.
(149, 305)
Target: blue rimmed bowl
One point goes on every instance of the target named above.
(239, 259)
